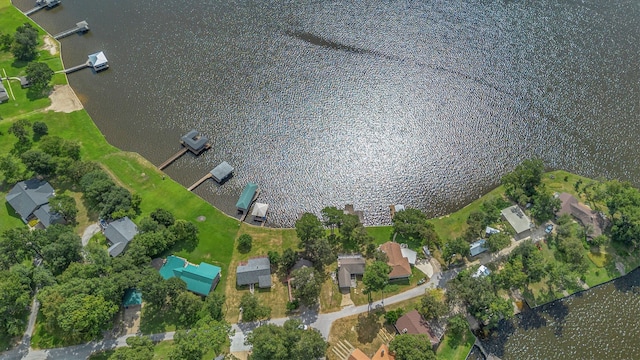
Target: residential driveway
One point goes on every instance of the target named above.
(89, 232)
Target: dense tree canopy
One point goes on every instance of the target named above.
(288, 342)
(307, 283)
(244, 243)
(412, 347)
(412, 224)
(39, 75)
(64, 205)
(432, 305)
(25, 43)
(376, 276)
(207, 335)
(520, 184)
(252, 309)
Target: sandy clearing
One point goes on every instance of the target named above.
(64, 99)
(50, 45)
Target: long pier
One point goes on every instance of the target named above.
(76, 68)
(173, 158)
(197, 183)
(37, 8)
(81, 27)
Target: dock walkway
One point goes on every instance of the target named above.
(80, 27)
(37, 8)
(197, 183)
(173, 158)
(75, 68)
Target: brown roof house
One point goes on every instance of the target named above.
(400, 267)
(413, 323)
(381, 354)
(582, 213)
(349, 266)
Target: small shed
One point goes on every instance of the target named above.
(259, 212)
(481, 272)
(132, 297)
(24, 82)
(98, 61)
(222, 172)
(478, 247)
(246, 197)
(4, 96)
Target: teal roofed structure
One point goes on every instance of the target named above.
(132, 297)
(244, 202)
(200, 279)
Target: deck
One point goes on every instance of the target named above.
(81, 27)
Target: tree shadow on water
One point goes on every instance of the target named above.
(629, 282)
(368, 327)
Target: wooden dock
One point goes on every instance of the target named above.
(197, 183)
(81, 27)
(37, 8)
(173, 158)
(76, 68)
(245, 213)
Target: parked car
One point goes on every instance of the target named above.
(549, 229)
(422, 281)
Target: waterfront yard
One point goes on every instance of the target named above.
(455, 348)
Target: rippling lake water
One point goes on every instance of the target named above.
(425, 103)
(600, 323)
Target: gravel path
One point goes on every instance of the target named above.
(89, 232)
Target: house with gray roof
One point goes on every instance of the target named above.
(222, 172)
(119, 233)
(478, 247)
(28, 196)
(4, 96)
(195, 142)
(518, 220)
(254, 271)
(349, 266)
(46, 216)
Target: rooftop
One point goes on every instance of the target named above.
(349, 265)
(478, 247)
(517, 218)
(98, 59)
(26, 196)
(222, 171)
(400, 264)
(132, 297)
(47, 217)
(254, 271)
(194, 141)
(244, 202)
(571, 205)
(120, 231)
(200, 279)
(413, 323)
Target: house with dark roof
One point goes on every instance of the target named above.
(200, 279)
(28, 196)
(400, 267)
(413, 323)
(349, 267)
(254, 271)
(518, 220)
(587, 217)
(119, 233)
(46, 216)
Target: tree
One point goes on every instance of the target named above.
(520, 184)
(332, 217)
(10, 168)
(287, 342)
(140, 348)
(39, 75)
(5, 41)
(289, 258)
(64, 205)
(498, 241)
(545, 205)
(457, 326)
(392, 316)
(252, 309)
(320, 253)
(274, 258)
(154, 288)
(512, 274)
(39, 162)
(208, 336)
(14, 302)
(163, 217)
(40, 128)
(25, 43)
(82, 317)
(412, 224)
(412, 347)
(432, 305)
(213, 306)
(185, 232)
(307, 284)
(244, 243)
(457, 247)
(19, 129)
(376, 277)
(187, 306)
(14, 246)
(308, 229)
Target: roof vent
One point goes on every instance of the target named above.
(404, 331)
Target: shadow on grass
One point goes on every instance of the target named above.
(368, 327)
(155, 321)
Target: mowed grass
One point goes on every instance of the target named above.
(447, 350)
(264, 240)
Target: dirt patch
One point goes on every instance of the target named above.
(50, 45)
(63, 99)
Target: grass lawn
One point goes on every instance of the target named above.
(395, 287)
(330, 296)
(381, 234)
(264, 239)
(447, 350)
